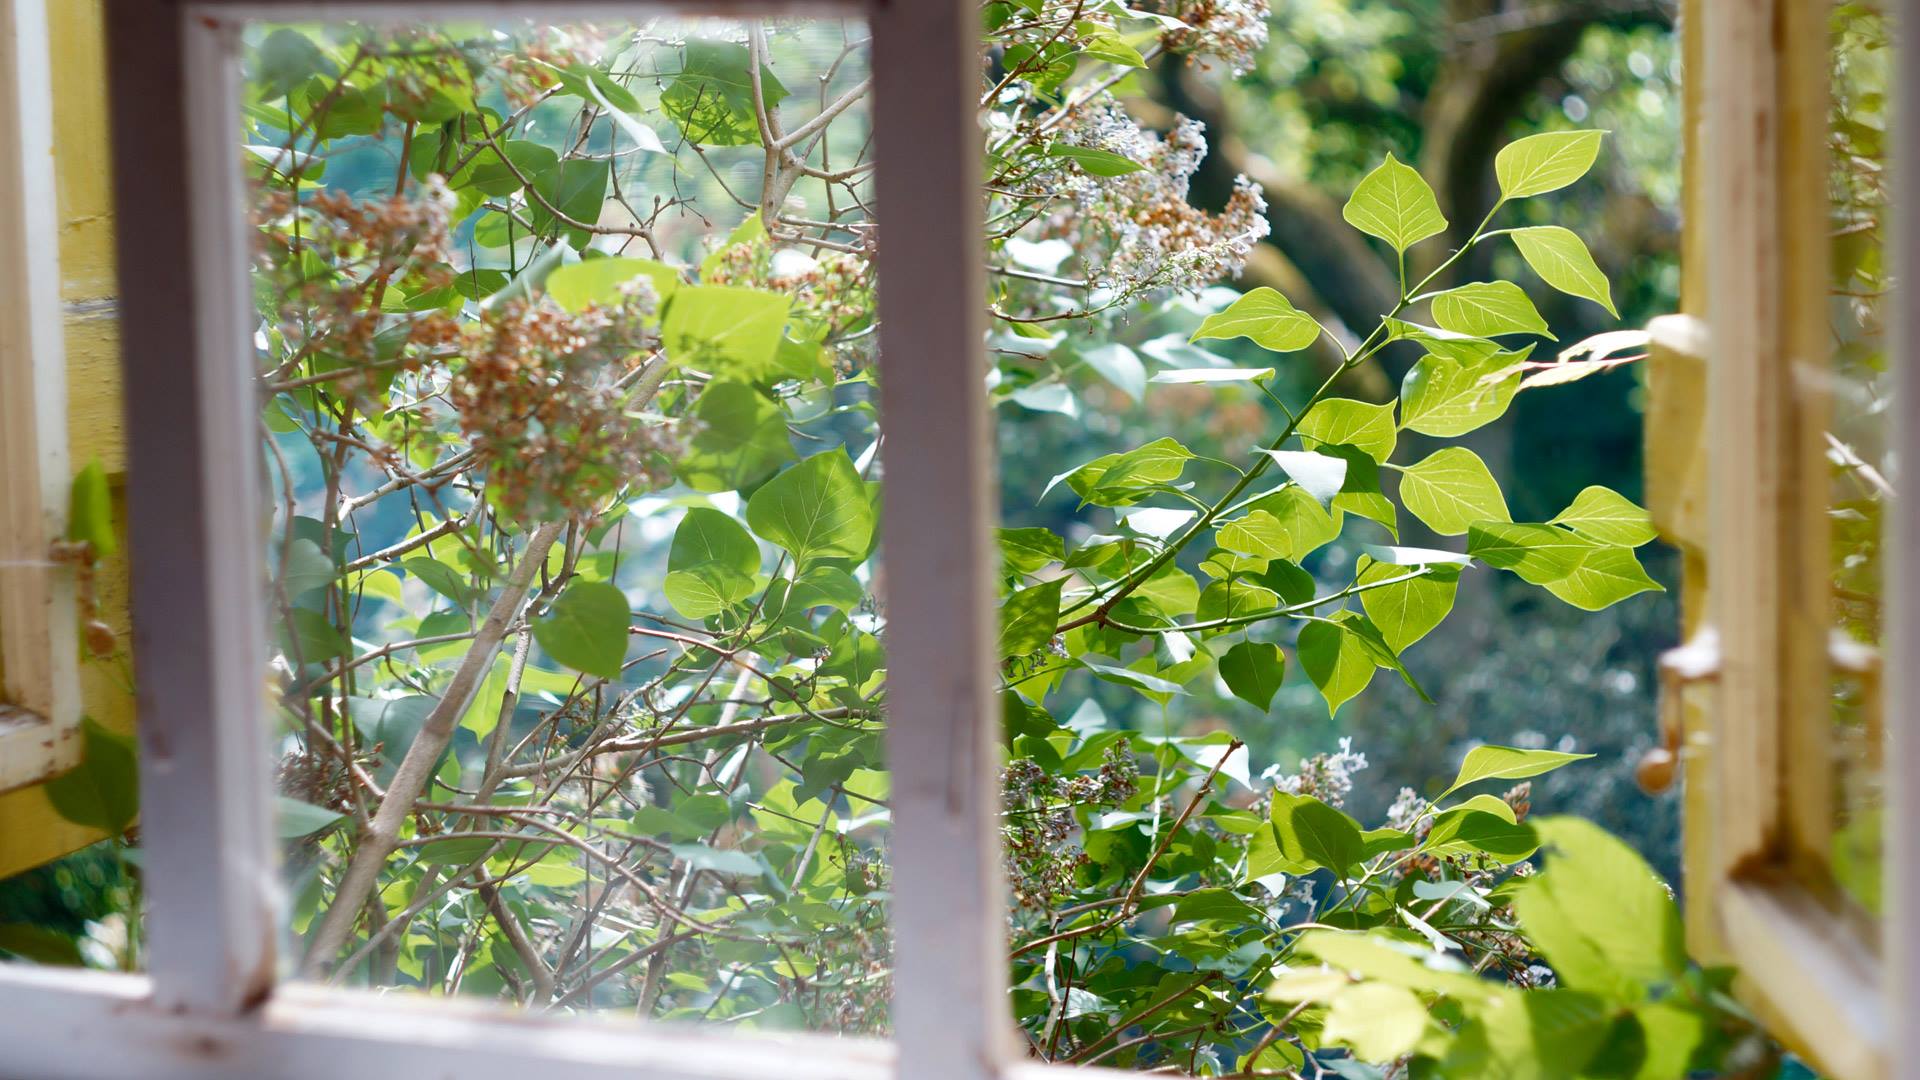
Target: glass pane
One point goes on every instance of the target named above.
(1863, 471)
(575, 484)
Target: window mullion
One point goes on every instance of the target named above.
(193, 507)
(949, 1008)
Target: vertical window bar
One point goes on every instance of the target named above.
(1748, 423)
(193, 507)
(949, 1010)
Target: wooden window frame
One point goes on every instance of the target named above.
(39, 642)
(1737, 480)
(210, 1003)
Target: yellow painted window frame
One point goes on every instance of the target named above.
(76, 74)
(39, 676)
(1737, 480)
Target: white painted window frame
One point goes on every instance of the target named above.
(40, 700)
(209, 1004)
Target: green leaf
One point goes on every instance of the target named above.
(1396, 205)
(1379, 1021)
(1028, 617)
(1486, 309)
(740, 438)
(305, 568)
(1231, 600)
(456, 850)
(1599, 914)
(498, 172)
(1607, 516)
(1547, 1034)
(707, 537)
(725, 329)
(706, 591)
(285, 61)
(1562, 261)
(90, 511)
(1507, 763)
(1025, 550)
(586, 629)
(40, 945)
(1355, 423)
(1259, 534)
(1602, 577)
(577, 188)
(1140, 680)
(600, 281)
(702, 857)
(103, 791)
(711, 99)
(1360, 489)
(1313, 835)
(1104, 44)
(1539, 554)
(1442, 396)
(1218, 905)
(297, 819)
(1546, 162)
(1095, 162)
(1373, 957)
(1407, 611)
(1319, 475)
(1308, 525)
(1464, 830)
(1254, 670)
(440, 577)
(1265, 317)
(1124, 479)
(817, 509)
(1337, 661)
(1451, 490)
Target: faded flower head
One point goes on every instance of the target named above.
(543, 398)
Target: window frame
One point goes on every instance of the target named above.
(210, 1003)
(1734, 455)
(40, 700)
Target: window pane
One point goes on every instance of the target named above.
(575, 487)
(1863, 472)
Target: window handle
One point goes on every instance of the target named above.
(1691, 664)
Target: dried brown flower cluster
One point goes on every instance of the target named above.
(1038, 838)
(543, 397)
(336, 265)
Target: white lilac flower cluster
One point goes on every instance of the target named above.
(1137, 230)
(1327, 777)
(1230, 31)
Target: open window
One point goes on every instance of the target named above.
(1775, 429)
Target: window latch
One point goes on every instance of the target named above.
(1691, 664)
